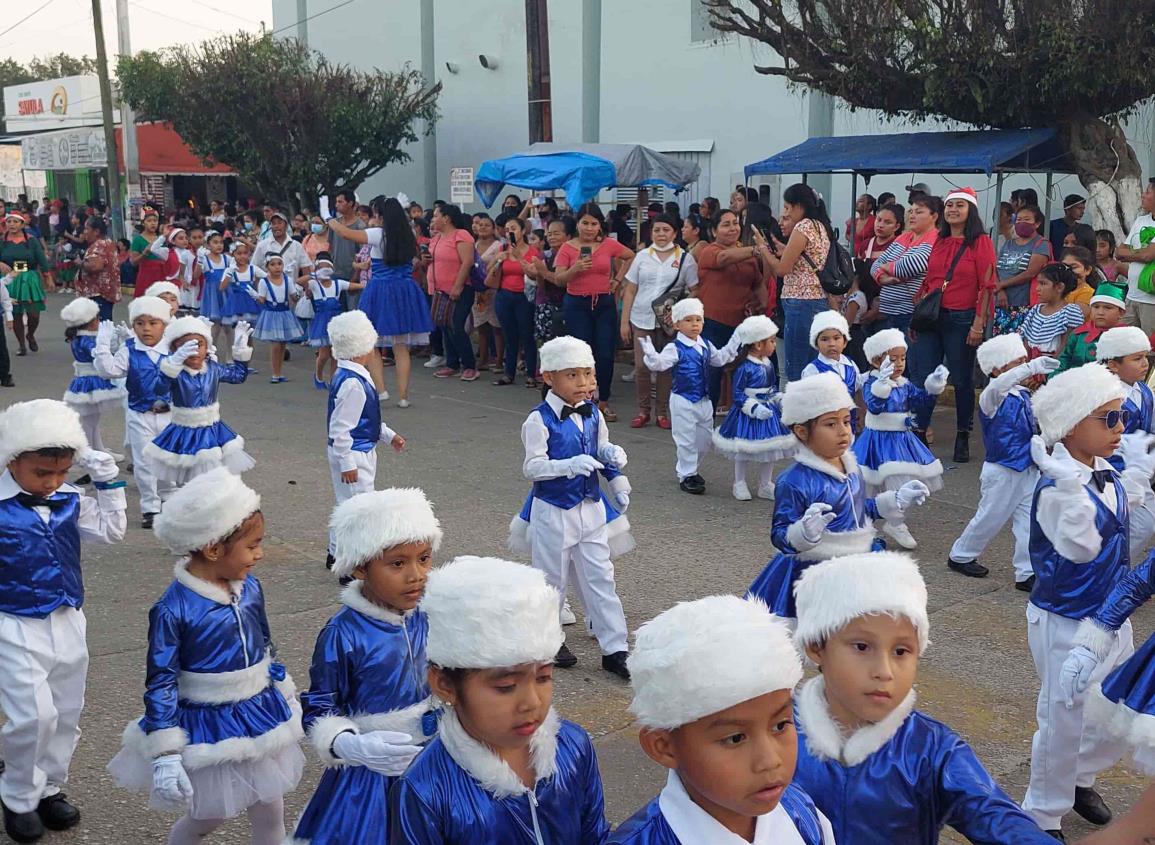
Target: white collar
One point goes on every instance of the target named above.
(690, 823)
(481, 763)
(697, 344)
(9, 489)
(353, 598)
(1135, 393)
(826, 739)
(354, 367)
(807, 458)
(557, 403)
(1060, 451)
(841, 360)
(757, 360)
(204, 588)
(85, 333)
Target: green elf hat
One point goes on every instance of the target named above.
(1112, 295)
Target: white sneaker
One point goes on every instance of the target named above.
(567, 614)
(741, 491)
(629, 376)
(435, 363)
(383, 396)
(404, 403)
(116, 456)
(766, 492)
(901, 534)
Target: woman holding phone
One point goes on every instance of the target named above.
(507, 273)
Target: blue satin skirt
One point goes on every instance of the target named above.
(350, 807)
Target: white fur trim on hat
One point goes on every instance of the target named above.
(1069, 397)
(880, 343)
(488, 613)
(79, 312)
(39, 424)
(352, 335)
(999, 351)
(829, 595)
(824, 320)
(701, 657)
(564, 353)
(184, 326)
(813, 396)
(1120, 341)
(207, 509)
(367, 524)
(688, 307)
(756, 328)
(157, 288)
(150, 306)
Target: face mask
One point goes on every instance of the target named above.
(248, 225)
(316, 228)
(1024, 229)
(324, 274)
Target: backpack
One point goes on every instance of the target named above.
(837, 274)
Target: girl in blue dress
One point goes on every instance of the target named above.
(196, 440)
(325, 293)
(214, 264)
(238, 288)
(221, 723)
(88, 393)
(368, 709)
(277, 325)
(752, 431)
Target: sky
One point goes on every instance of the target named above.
(65, 26)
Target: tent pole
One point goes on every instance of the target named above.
(643, 199)
(1047, 210)
(998, 205)
(853, 206)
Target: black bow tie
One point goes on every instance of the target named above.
(1101, 478)
(31, 501)
(585, 409)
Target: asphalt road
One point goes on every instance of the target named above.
(465, 452)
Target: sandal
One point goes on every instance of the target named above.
(531, 384)
(503, 381)
(607, 412)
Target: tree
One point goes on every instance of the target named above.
(48, 67)
(1077, 65)
(290, 123)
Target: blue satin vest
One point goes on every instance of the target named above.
(144, 382)
(367, 433)
(1141, 419)
(692, 372)
(199, 390)
(848, 375)
(565, 441)
(1007, 435)
(40, 562)
(82, 348)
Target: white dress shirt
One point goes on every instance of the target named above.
(668, 357)
(291, 252)
(347, 407)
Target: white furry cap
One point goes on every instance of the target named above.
(756, 328)
(813, 396)
(1120, 341)
(79, 312)
(880, 343)
(564, 353)
(688, 307)
(488, 613)
(183, 326)
(999, 351)
(1070, 396)
(150, 306)
(39, 424)
(824, 320)
(829, 595)
(207, 509)
(701, 657)
(352, 335)
(157, 288)
(367, 524)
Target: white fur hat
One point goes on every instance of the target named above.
(183, 326)
(830, 594)
(150, 306)
(157, 288)
(564, 353)
(79, 312)
(39, 424)
(352, 335)
(813, 396)
(756, 328)
(880, 343)
(1000, 351)
(488, 613)
(688, 307)
(1120, 341)
(824, 320)
(1070, 396)
(207, 509)
(701, 657)
(369, 523)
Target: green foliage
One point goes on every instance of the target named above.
(46, 67)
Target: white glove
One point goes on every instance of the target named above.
(911, 493)
(1060, 466)
(241, 334)
(761, 412)
(936, 382)
(123, 331)
(734, 344)
(1135, 450)
(100, 465)
(105, 332)
(1075, 676)
(622, 500)
(186, 351)
(1043, 366)
(252, 291)
(171, 788)
(582, 465)
(886, 369)
(612, 455)
(814, 521)
(387, 753)
(648, 346)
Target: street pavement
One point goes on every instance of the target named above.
(464, 450)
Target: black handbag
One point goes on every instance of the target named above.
(663, 304)
(925, 315)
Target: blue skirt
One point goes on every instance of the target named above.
(350, 807)
(180, 452)
(742, 437)
(87, 394)
(394, 303)
(237, 305)
(278, 327)
(212, 301)
(775, 584)
(888, 459)
(1124, 705)
(323, 312)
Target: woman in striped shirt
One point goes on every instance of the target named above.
(901, 268)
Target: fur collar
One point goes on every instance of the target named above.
(205, 588)
(491, 772)
(353, 598)
(808, 459)
(762, 362)
(825, 738)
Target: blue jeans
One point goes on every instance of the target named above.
(718, 334)
(595, 320)
(458, 346)
(515, 313)
(948, 340)
(895, 321)
(800, 313)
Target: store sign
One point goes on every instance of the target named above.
(460, 185)
(53, 104)
(67, 150)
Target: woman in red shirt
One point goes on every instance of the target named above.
(448, 264)
(514, 311)
(966, 306)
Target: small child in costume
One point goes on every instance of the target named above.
(752, 431)
(43, 652)
(883, 772)
(691, 411)
(889, 453)
(325, 293)
(195, 440)
(239, 287)
(820, 505)
(829, 335)
(1108, 306)
(1009, 476)
(368, 707)
(89, 393)
(277, 324)
(504, 769)
(214, 263)
(713, 687)
(167, 291)
(221, 718)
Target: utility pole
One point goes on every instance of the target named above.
(127, 118)
(115, 198)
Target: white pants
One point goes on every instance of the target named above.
(692, 424)
(90, 422)
(1142, 525)
(43, 666)
(140, 430)
(576, 538)
(1065, 752)
(366, 476)
(1005, 494)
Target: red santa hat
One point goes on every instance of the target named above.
(967, 194)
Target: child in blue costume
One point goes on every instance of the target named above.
(368, 707)
(214, 263)
(713, 687)
(196, 440)
(221, 723)
(820, 504)
(277, 325)
(239, 288)
(325, 293)
(829, 334)
(89, 393)
(883, 772)
(752, 431)
(504, 769)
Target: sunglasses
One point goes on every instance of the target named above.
(1112, 418)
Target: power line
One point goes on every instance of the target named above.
(295, 24)
(167, 16)
(39, 8)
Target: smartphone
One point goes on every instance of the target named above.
(424, 248)
(513, 238)
(586, 252)
(539, 200)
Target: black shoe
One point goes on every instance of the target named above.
(694, 484)
(962, 447)
(1026, 585)
(565, 658)
(32, 344)
(616, 664)
(84, 479)
(329, 561)
(146, 520)
(57, 813)
(288, 355)
(1090, 805)
(23, 827)
(1056, 834)
(7, 382)
(346, 580)
(969, 568)
(21, 352)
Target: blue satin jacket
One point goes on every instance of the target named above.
(199, 390)
(906, 397)
(1141, 418)
(1130, 593)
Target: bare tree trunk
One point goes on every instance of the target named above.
(1108, 169)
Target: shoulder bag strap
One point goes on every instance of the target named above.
(678, 275)
(953, 264)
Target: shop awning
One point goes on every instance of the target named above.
(163, 152)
